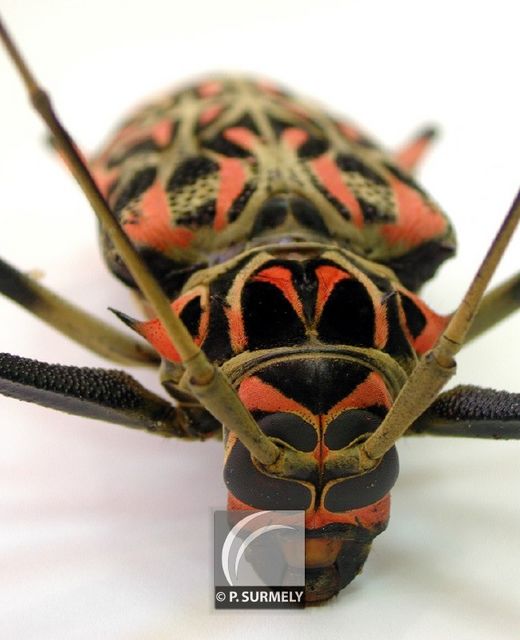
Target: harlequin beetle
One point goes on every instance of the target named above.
(277, 252)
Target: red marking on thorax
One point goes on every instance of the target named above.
(372, 391)
(328, 277)
(260, 396)
(329, 174)
(154, 332)
(435, 325)
(153, 225)
(281, 278)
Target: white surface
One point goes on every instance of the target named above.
(105, 533)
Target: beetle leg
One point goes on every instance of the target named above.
(101, 394)
(410, 155)
(471, 412)
(72, 321)
(499, 303)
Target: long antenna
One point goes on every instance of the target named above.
(207, 382)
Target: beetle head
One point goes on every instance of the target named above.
(317, 407)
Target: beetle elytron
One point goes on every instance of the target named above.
(277, 251)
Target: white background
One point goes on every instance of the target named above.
(106, 533)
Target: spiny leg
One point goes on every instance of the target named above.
(72, 321)
(101, 394)
(471, 412)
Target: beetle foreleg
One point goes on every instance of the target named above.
(101, 394)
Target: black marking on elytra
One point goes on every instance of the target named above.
(350, 163)
(202, 216)
(365, 489)
(348, 316)
(170, 274)
(318, 384)
(259, 490)
(279, 126)
(145, 146)
(290, 428)
(348, 426)
(241, 201)
(414, 316)
(270, 320)
(221, 144)
(140, 182)
(313, 148)
(173, 280)
(339, 206)
(308, 216)
(247, 122)
(191, 170)
(372, 214)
